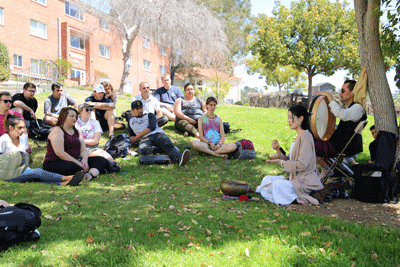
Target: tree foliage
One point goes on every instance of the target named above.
(315, 36)
(4, 63)
(190, 30)
(286, 78)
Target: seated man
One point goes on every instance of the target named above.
(54, 103)
(5, 105)
(374, 145)
(350, 117)
(167, 95)
(25, 103)
(152, 138)
(103, 108)
(150, 104)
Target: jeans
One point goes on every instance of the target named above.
(37, 175)
(159, 141)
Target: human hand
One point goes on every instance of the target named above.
(328, 95)
(85, 165)
(170, 108)
(29, 150)
(275, 145)
(277, 161)
(33, 116)
(192, 121)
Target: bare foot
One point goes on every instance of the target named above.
(185, 134)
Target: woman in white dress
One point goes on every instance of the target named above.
(301, 166)
(91, 131)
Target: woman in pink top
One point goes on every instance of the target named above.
(211, 133)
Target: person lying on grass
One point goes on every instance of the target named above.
(301, 166)
(151, 138)
(211, 133)
(15, 140)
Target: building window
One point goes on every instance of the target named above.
(104, 51)
(1, 16)
(38, 67)
(146, 65)
(128, 87)
(43, 2)
(17, 61)
(104, 24)
(77, 42)
(38, 29)
(163, 50)
(75, 73)
(163, 70)
(146, 43)
(130, 60)
(73, 11)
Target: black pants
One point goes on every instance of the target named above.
(70, 168)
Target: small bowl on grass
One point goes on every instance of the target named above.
(234, 187)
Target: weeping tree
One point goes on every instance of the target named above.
(190, 30)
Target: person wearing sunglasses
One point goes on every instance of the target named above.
(350, 116)
(91, 131)
(5, 109)
(25, 103)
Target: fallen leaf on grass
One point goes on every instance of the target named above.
(49, 217)
(65, 207)
(191, 237)
(16, 193)
(75, 255)
(102, 248)
(247, 252)
(190, 244)
(209, 232)
(67, 202)
(164, 230)
(283, 227)
(327, 244)
(221, 253)
(193, 221)
(322, 250)
(305, 233)
(89, 239)
(210, 216)
(277, 214)
(374, 255)
(150, 234)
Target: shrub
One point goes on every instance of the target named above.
(4, 63)
(64, 66)
(247, 104)
(238, 103)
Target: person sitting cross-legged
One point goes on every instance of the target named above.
(150, 137)
(211, 131)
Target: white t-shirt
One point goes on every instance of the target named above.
(151, 105)
(6, 145)
(89, 128)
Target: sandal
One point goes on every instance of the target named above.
(76, 179)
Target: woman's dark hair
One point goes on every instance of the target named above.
(11, 120)
(186, 85)
(64, 114)
(211, 99)
(299, 111)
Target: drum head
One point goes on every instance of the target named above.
(322, 119)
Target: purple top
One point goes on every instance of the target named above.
(72, 145)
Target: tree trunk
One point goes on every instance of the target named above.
(309, 76)
(128, 38)
(367, 16)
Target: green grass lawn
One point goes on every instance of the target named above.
(171, 216)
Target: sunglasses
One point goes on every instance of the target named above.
(343, 91)
(30, 91)
(88, 109)
(6, 101)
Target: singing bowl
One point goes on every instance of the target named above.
(233, 187)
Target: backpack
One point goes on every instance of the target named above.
(118, 146)
(245, 150)
(18, 223)
(38, 130)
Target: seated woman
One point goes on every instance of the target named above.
(66, 149)
(188, 110)
(91, 131)
(211, 133)
(301, 166)
(15, 139)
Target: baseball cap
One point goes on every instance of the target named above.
(84, 105)
(136, 104)
(99, 88)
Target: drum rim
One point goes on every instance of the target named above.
(330, 128)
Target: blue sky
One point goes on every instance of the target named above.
(265, 7)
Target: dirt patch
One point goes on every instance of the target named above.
(371, 214)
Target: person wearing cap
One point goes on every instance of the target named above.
(103, 108)
(25, 103)
(151, 104)
(167, 95)
(150, 137)
(56, 102)
(91, 131)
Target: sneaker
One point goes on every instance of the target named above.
(184, 158)
(87, 177)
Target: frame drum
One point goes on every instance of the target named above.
(323, 121)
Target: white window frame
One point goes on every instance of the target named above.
(75, 73)
(1, 16)
(104, 24)
(163, 50)
(163, 70)
(79, 14)
(128, 87)
(38, 29)
(42, 2)
(146, 65)
(18, 59)
(104, 51)
(39, 63)
(146, 43)
(81, 41)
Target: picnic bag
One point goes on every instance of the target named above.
(245, 150)
(18, 223)
(118, 146)
(154, 159)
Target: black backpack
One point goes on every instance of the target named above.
(118, 146)
(18, 224)
(38, 130)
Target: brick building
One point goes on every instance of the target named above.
(37, 32)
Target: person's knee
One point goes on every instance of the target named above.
(195, 144)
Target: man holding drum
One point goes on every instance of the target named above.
(350, 117)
